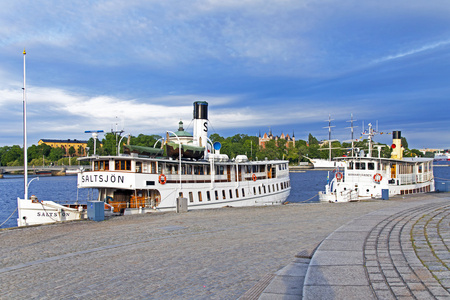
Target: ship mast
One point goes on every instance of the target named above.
(25, 150)
(353, 140)
(329, 135)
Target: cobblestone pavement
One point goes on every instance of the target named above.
(393, 253)
(208, 254)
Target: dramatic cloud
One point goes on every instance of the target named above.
(283, 64)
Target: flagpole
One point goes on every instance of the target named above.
(25, 150)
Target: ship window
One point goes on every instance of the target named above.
(200, 196)
(273, 187)
(168, 169)
(189, 169)
(180, 194)
(123, 165)
(101, 165)
(153, 167)
(139, 167)
(219, 170)
(208, 170)
(196, 170)
(237, 193)
(191, 197)
(254, 190)
(360, 166)
(217, 195)
(259, 188)
(223, 195)
(208, 196)
(150, 183)
(243, 193)
(264, 188)
(350, 165)
(371, 166)
(231, 194)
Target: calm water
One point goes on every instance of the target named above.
(305, 187)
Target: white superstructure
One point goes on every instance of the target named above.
(367, 177)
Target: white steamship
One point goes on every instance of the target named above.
(366, 177)
(144, 180)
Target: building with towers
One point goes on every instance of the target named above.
(278, 139)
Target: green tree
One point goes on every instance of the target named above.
(72, 151)
(312, 140)
(270, 151)
(404, 143)
(56, 154)
(13, 156)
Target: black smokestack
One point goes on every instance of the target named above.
(201, 110)
(396, 135)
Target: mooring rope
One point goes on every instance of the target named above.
(441, 178)
(9, 217)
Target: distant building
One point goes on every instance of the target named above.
(79, 146)
(184, 136)
(432, 150)
(282, 138)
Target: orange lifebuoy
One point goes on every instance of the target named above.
(162, 179)
(339, 176)
(377, 177)
(254, 177)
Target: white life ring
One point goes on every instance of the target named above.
(162, 179)
(377, 177)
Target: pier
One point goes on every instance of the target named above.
(294, 250)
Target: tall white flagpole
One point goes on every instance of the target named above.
(25, 150)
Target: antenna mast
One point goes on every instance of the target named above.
(25, 150)
(353, 140)
(329, 135)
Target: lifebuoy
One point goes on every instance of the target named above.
(254, 177)
(377, 177)
(162, 179)
(339, 176)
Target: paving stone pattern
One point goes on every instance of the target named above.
(208, 254)
(394, 253)
(385, 250)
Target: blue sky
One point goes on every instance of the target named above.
(284, 65)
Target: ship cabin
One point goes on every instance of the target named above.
(130, 181)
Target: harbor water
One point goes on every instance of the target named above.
(63, 189)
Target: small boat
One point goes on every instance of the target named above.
(43, 172)
(32, 211)
(193, 172)
(365, 177)
(442, 158)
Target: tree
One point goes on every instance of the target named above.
(72, 151)
(312, 140)
(56, 154)
(404, 143)
(13, 156)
